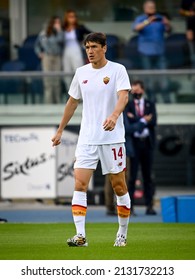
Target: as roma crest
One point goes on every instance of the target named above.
(106, 80)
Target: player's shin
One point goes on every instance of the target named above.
(79, 209)
(123, 209)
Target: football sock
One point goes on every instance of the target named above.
(79, 209)
(123, 209)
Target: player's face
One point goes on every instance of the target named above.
(95, 52)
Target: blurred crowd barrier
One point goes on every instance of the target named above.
(18, 87)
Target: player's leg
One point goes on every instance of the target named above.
(113, 160)
(85, 164)
(79, 201)
(79, 206)
(123, 206)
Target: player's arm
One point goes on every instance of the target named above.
(110, 122)
(70, 107)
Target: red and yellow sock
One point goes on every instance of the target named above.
(79, 210)
(123, 211)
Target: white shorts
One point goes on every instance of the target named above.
(111, 156)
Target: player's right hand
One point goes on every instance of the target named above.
(56, 139)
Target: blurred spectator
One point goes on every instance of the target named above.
(188, 10)
(74, 34)
(140, 122)
(49, 47)
(151, 27)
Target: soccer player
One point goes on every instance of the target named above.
(103, 86)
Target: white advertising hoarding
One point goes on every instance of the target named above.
(65, 163)
(28, 163)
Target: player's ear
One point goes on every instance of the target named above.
(105, 48)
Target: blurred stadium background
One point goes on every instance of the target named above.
(28, 163)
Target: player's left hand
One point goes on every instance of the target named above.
(110, 123)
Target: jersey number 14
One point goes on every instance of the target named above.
(119, 154)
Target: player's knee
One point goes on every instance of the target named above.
(119, 187)
(80, 185)
(120, 190)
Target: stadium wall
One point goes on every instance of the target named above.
(175, 146)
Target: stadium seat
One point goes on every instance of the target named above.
(27, 55)
(35, 87)
(177, 51)
(126, 62)
(122, 13)
(113, 45)
(14, 65)
(4, 50)
(131, 53)
(13, 85)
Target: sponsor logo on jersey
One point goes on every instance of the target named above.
(106, 80)
(84, 81)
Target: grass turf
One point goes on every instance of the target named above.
(145, 241)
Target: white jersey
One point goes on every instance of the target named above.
(98, 88)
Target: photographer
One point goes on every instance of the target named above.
(151, 27)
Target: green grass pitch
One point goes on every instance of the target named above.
(145, 241)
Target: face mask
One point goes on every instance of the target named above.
(137, 95)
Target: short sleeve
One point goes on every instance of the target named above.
(123, 82)
(75, 90)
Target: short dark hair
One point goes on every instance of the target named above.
(97, 37)
(138, 82)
